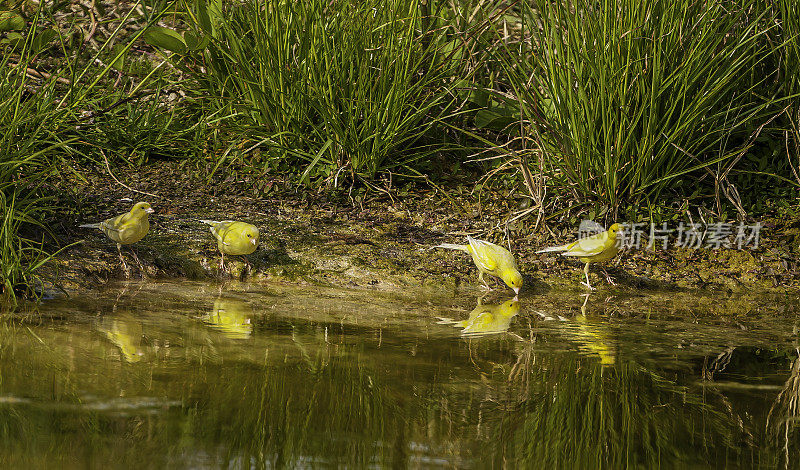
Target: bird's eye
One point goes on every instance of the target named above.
(248, 235)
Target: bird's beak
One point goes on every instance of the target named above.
(516, 290)
(516, 298)
(149, 210)
(253, 241)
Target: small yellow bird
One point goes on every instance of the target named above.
(491, 259)
(595, 249)
(126, 228)
(233, 237)
(487, 319)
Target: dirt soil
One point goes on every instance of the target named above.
(369, 239)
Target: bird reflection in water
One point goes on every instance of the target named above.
(592, 335)
(487, 319)
(231, 317)
(124, 332)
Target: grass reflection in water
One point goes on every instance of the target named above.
(185, 375)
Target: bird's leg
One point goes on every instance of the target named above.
(585, 301)
(608, 278)
(480, 277)
(248, 269)
(222, 264)
(141, 266)
(122, 259)
(586, 273)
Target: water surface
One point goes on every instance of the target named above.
(194, 375)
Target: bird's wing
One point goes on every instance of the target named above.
(217, 229)
(223, 231)
(114, 224)
(481, 322)
(123, 219)
(482, 254)
(130, 221)
(589, 246)
(107, 226)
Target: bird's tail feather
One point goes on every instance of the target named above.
(554, 248)
(451, 246)
(450, 321)
(90, 225)
(209, 222)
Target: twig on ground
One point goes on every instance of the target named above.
(108, 168)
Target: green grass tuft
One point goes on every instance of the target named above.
(623, 97)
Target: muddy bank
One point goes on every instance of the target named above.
(370, 239)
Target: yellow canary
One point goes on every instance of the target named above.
(231, 317)
(488, 319)
(491, 259)
(234, 238)
(126, 228)
(594, 249)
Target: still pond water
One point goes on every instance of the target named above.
(191, 375)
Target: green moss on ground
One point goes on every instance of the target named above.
(377, 242)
